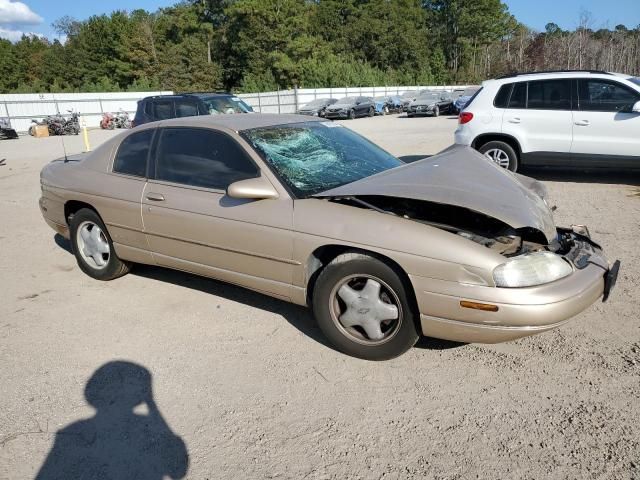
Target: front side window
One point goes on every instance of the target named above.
(549, 95)
(312, 157)
(132, 155)
(599, 95)
(201, 158)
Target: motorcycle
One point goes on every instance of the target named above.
(108, 121)
(71, 126)
(122, 120)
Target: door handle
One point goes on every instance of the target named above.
(514, 120)
(155, 197)
(583, 123)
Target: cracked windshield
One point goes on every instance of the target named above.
(316, 156)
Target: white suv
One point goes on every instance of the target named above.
(578, 118)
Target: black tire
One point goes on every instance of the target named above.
(508, 150)
(385, 110)
(409, 115)
(352, 114)
(402, 333)
(436, 111)
(372, 111)
(114, 267)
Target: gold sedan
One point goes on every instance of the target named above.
(305, 210)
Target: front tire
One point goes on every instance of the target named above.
(501, 153)
(436, 111)
(352, 114)
(93, 248)
(372, 112)
(363, 307)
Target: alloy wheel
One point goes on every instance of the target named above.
(93, 245)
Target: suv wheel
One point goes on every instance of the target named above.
(501, 153)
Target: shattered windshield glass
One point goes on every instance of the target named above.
(312, 157)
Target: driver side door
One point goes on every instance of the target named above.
(191, 224)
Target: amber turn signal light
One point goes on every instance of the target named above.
(485, 307)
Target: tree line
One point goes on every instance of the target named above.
(258, 45)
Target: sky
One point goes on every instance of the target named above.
(36, 16)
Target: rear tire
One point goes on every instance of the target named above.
(501, 153)
(93, 248)
(376, 291)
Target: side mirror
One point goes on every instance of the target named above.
(258, 188)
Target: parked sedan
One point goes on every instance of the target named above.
(351, 107)
(317, 107)
(462, 100)
(431, 102)
(312, 213)
(386, 105)
(408, 97)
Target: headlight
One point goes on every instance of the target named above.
(531, 269)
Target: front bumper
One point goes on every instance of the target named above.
(420, 110)
(519, 311)
(338, 114)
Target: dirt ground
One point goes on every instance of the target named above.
(253, 391)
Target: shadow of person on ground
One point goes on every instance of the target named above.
(117, 443)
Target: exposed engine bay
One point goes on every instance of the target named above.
(475, 226)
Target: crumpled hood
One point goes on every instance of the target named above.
(462, 177)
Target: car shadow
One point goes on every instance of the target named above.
(578, 175)
(297, 316)
(119, 441)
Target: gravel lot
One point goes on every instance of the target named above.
(249, 385)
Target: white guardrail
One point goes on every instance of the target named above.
(21, 109)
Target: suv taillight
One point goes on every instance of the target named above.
(465, 117)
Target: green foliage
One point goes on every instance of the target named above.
(258, 45)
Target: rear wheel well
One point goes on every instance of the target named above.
(322, 256)
(73, 206)
(497, 137)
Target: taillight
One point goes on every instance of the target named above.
(465, 117)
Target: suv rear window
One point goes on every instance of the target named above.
(163, 109)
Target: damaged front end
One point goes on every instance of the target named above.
(526, 249)
(477, 227)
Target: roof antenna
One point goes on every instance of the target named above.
(64, 148)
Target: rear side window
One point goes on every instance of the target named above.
(163, 109)
(502, 98)
(186, 108)
(518, 96)
(201, 158)
(132, 155)
(549, 95)
(605, 96)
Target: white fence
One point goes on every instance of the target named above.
(21, 109)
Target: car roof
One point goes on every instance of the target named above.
(239, 121)
(183, 95)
